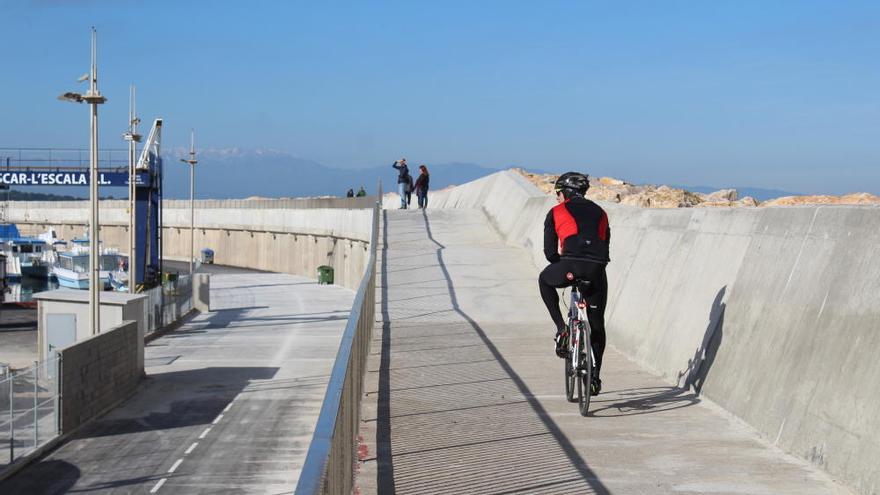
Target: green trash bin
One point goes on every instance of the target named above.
(325, 274)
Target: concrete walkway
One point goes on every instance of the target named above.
(464, 393)
(229, 404)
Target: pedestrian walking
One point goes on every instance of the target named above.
(402, 180)
(361, 192)
(350, 193)
(422, 186)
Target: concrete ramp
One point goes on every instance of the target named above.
(465, 395)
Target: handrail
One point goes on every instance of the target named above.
(330, 461)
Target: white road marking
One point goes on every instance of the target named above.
(227, 407)
(204, 433)
(191, 448)
(158, 485)
(217, 419)
(174, 467)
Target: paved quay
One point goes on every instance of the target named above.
(229, 403)
(18, 336)
(464, 393)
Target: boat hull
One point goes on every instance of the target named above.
(35, 271)
(75, 280)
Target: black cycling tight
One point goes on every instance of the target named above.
(554, 276)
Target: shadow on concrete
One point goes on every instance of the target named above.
(224, 318)
(636, 401)
(385, 467)
(180, 399)
(45, 477)
(241, 309)
(698, 367)
(474, 427)
(256, 286)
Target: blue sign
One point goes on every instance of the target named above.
(55, 178)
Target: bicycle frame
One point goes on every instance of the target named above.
(578, 314)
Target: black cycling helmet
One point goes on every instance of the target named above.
(571, 183)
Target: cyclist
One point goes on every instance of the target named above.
(576, 240)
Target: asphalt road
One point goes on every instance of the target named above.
(18, 335)
(229, 403)
(18, 324)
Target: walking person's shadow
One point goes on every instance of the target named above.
(698, 367)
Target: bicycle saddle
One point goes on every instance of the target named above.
(583, 285)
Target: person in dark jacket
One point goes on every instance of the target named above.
(350, 193)
(576, 240)
(402, 180)
(422, 186)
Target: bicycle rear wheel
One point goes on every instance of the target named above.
(585, 371)
(570, 377)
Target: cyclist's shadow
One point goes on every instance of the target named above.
(646, 400)
(657, 399)
(704, 356)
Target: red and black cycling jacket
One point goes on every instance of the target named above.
(577, 229)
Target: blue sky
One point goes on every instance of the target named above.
(770, 94)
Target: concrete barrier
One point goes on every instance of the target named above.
(98, 373)
(201, 292)
(772, 313)
(288, 235)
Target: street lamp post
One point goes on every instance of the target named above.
(94, 98)
(192, 216)
(133, 138)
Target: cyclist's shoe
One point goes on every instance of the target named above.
(595, 385)
(561, 340)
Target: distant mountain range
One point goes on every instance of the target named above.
(239, 173)
(246, 173)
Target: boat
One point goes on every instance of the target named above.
(24, 255)
(72, 267)
(54, 245)
(117, 270)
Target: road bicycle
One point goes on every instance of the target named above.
(579, 357)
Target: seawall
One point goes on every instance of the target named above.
(772, 313)
(292, 236)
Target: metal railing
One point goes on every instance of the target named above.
(60, 158)
(29, 409)
(330, 463)
(167, 303)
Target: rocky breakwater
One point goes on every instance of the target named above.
(651, 196)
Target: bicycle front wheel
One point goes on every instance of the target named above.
(585, 372)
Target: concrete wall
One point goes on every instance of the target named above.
(261, 234)
(772, 313)
(97, 373)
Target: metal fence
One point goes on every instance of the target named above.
(167, 303)
(29, 409)
(330, 463)
(60, 158)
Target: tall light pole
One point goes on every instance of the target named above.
(192, 215)
(93, 98)
(133, 138)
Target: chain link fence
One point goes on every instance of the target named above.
(29, 409)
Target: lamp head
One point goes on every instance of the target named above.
(71, 97)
